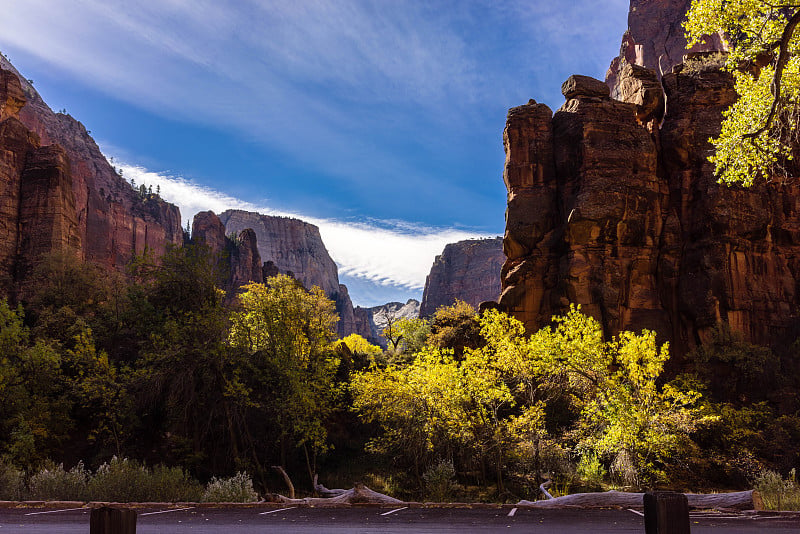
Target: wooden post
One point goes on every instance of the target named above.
(108, 520)
(666, 512)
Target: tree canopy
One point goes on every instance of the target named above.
(760, 129)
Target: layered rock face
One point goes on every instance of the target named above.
(114, 222)
(629, 222)
(468, 270)
(296, 247)
(37, 202)
(655, 39)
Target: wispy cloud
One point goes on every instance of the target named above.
(389, 253)
(325, 82)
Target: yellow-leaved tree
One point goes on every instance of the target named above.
(760, 128)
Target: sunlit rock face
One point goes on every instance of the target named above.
(468, 270)
(113, 222)
(627, 219)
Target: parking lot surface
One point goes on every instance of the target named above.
(373, 520)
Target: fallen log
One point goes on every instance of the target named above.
(739, 500)
(325, 492)
(360, 494)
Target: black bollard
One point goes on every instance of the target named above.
(666, 512)
(108, 520)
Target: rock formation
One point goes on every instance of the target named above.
(238, 253)
(629, 222)
(295, 246)
(90, 208)
(468, 270)
(655, 39)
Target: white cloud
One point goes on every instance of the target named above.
(390, 253)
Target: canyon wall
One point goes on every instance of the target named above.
(37, 203)
(627, 220)
(468, 270)
(90, 208)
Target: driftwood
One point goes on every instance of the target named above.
(325, 492)
(740, 500)
(360, 494)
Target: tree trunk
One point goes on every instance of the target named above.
(286, 479)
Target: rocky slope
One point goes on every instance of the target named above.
(468, 270)
(296, 247)
(114, 222)
(629, 222)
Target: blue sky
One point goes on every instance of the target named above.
(379, 121)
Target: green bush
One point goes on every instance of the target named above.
(173, 484)
(238, 488)
(11, 482)
(590, 469)
(124, 480)
(777, 493)
(439, 480)
(120, 480)
(54, 483)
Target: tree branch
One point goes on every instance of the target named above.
(775, 86)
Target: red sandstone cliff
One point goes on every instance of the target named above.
(238, 253)
(37, 203)
(114, 222)
(628, 221)
(468, 270)
(655, 39)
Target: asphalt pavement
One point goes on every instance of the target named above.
(374, 520)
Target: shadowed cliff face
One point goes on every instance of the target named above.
(113, 221)
(628, 220)
(468, 270)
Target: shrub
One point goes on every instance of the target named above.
(238, 488)
(591, 469)
(124, 480)
(55, 483)
(173, 484)
(120, 480)
(11, 482)
(777, 493)
(439, 480)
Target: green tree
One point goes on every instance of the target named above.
(287, 334)
(455, 327)
(34, 418)
(187, 381)
(760, 129)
